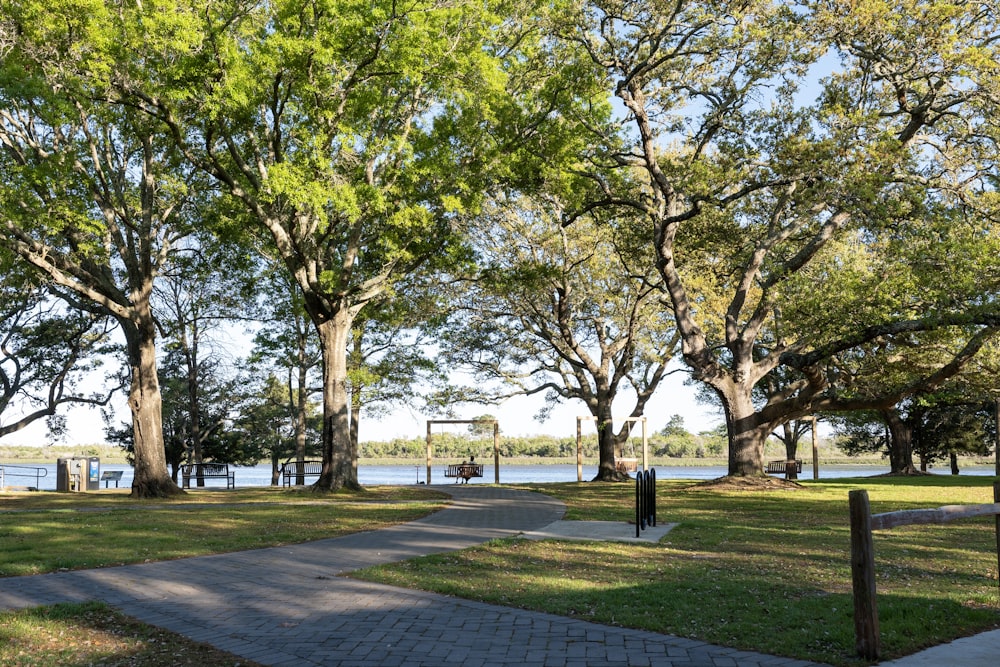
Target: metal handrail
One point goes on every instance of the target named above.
(37, 474)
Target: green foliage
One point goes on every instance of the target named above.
(675, 441)
(938, 430)
(807, 194)
(94, 195)
(482, 430)
(959, 429)
(357, 136)
(564, 311)
(389, 362)
(267, 417)
(46, 349)
(861, 432)
(805, 178)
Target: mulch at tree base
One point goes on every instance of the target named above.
(755, 483)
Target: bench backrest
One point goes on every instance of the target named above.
(205, 468)
(455, 469)
(308, 468)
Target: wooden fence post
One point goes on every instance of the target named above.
(429, 437)
(496, 452)
(996, 518)
(866, 631)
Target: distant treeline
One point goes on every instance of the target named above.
(676, 443)
(463, 446)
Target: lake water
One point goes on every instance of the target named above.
(43, 477)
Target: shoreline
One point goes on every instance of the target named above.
(658, 462)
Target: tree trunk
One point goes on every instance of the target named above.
(746, 436)
(355, 446)
(996, 444)
(900, 443)
(607, 470)
(746, 453)
(338, 469)
(275, 470)
(194, 405)
(151, 478)
(953, 458)
(791, 440)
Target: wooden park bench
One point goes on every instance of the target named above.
(111, 476)
(781, 467)
(208, 471)
(290, 471)
(464, 471)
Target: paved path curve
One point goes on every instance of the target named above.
(286, 606)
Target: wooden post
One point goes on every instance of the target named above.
(645, 446)
(866, 631)
(996, 445)
(579, 450)
(496, 452)
(815, 440)
(996, 518)
(428, 452)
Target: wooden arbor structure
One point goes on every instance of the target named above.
(579, 441)
(496, 442)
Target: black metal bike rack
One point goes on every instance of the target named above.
(645, 500)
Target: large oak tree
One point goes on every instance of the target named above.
(91, 196)
(816, 177)
(563, 311)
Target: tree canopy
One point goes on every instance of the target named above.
(817, 177)
(803, 194)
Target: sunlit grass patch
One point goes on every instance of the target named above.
(115, 530)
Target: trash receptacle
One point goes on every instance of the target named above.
(78, 473)
(93, 473)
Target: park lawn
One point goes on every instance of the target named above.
(93, 633)
(43, 532)
(48, 531)
(758, 570)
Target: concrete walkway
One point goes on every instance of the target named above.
(286, 606)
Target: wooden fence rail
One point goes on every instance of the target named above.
(866, 632)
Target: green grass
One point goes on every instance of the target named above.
(56, 531)
(95, 634)
(758, 570)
